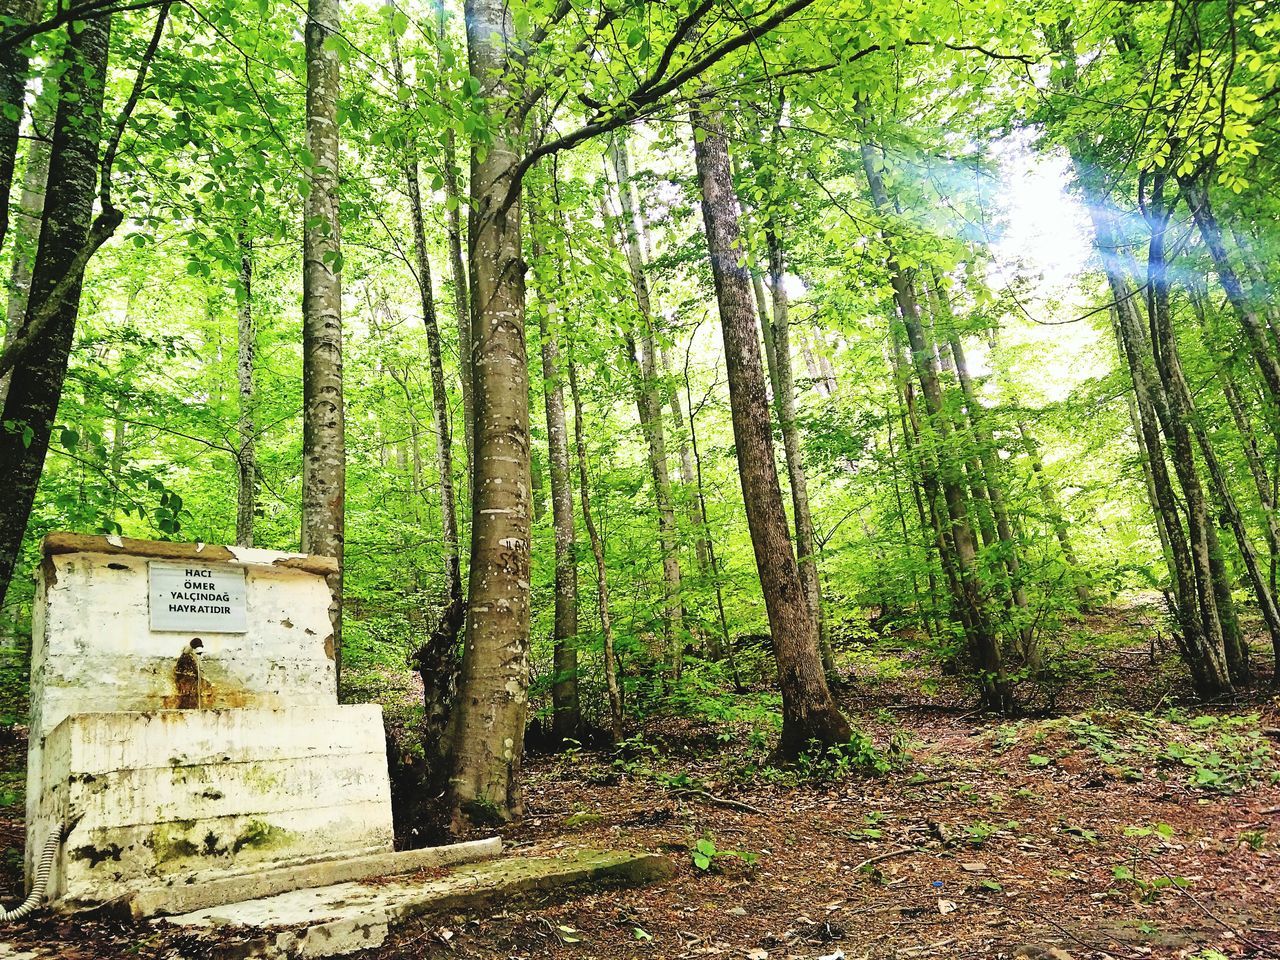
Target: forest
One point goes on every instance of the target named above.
(836, 443)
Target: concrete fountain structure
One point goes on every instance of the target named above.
(186, 735)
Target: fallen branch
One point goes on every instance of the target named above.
(719, 801)
(889, 855)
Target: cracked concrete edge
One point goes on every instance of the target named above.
(321, 873)
(346, 935)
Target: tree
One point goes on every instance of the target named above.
(324, 463)
(808, 713)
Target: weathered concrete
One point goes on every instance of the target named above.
(266, 883)
(180, 760)
(347, 917)
(167, 800)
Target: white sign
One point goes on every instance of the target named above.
(197, 597)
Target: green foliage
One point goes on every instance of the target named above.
(857, 756)
(706, 856)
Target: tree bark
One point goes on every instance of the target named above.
(1202, 649)
(809, 713)
(1217, 611)
(35, 386)
(784, 387)
(493, 692)
(324, 466)
(984, 647)
(1262, 344)
(246, 458)
(597, 551)
(439, 395)
(14, 65)
(26, 232)
(649, 408)
(458, 268)
(565, 715)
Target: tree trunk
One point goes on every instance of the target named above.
(565, 715)
(35, 386)
(1178, 428)
(984, 647)
(597, 551)
(324, 466)
(439, 395)
(13, 87)
(458, 268)
(493, 694)
(649, 408)
(808, 711)
(1202, 650)
(26, 233)
(1262, 344)
(778, 333)
(726, 642)
(246, 458)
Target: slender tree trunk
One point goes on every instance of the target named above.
(597, 552)
(566, 715)
(26, 234)
(35, 386)
(1164, 351)
(493, 693)
(246, 457)
(1262, 344)
(726, 642)
(779, 333)
(324, 457)
(439, 394)
(1201, 649)
(649, 406)
(808, 711)
(13, 87)
(984, 647)
(458, 268)
(686, 465)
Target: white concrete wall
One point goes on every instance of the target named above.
(183, 796)
(270, 752)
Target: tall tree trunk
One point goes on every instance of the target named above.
(726, 642)
(439, 395)
(649, 407)
(808, 711)
(13, 87)
(1262, 344)
(597, 551)
(687, 481)
(35, 386)
(990, 472)
(324, 457)
(984, 647)
(458, 268)
(246, 458)
(779, 333)
(493, 694)
(566, 715)
(1202, 651)
(1179, 425)
(26, 232)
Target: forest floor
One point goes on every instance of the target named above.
(1127, 824)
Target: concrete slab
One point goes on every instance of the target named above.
(266, 883)
(348, 917)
